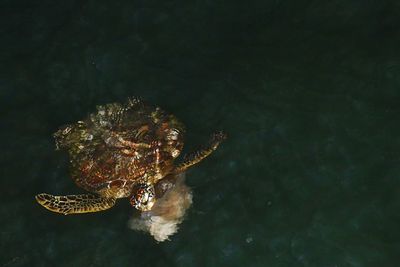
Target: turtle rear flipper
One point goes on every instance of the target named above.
(72, 204)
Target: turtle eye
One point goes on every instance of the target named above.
(143, 196)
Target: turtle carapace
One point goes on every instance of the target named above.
(121, 151)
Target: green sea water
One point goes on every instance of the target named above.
(307, 91)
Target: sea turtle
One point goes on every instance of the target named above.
(120, 151)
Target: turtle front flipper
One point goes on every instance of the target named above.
(72, 204)
(198, 156)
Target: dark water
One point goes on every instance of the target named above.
(308, 92)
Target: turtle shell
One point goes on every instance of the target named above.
(121, 145)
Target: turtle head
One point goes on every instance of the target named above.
(143, 197)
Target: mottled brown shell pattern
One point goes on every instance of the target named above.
(121, 145)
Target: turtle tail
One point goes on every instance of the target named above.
(73, 204)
